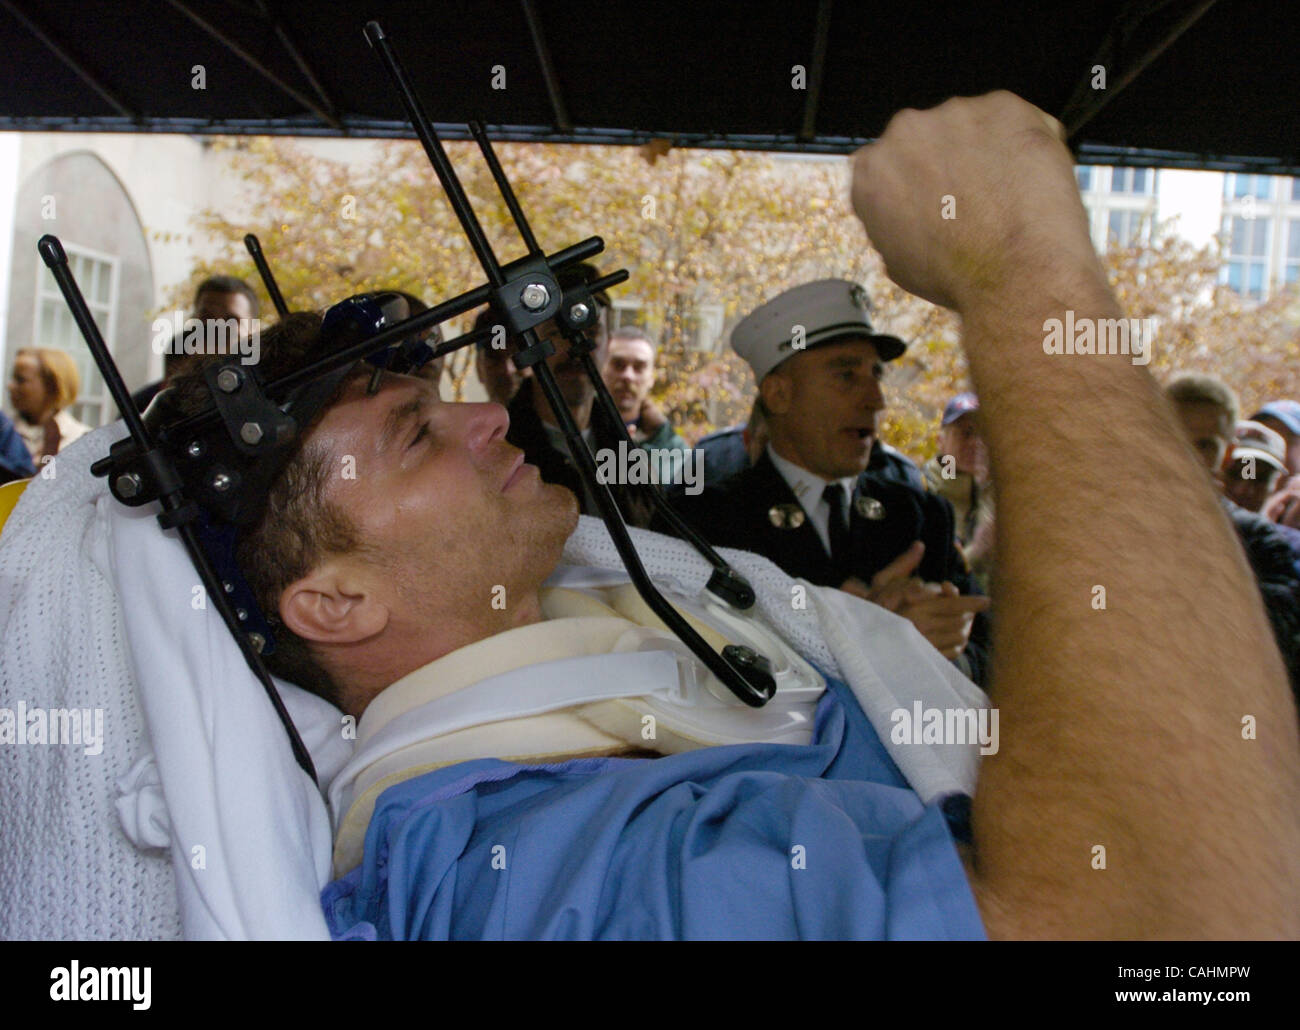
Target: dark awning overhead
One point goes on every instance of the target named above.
(1188, 82)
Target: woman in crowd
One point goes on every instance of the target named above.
(43, 386)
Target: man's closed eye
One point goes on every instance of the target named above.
(420, 435)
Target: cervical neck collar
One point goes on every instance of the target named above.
(600, 672)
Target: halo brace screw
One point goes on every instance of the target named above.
(535, 296)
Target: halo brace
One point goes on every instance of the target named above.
(211, 472)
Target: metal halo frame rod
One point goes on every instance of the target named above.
(264, 270)
(726, 583)
(178, 511)
(395, 333)
(745, 673)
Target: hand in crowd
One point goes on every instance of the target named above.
(652, 417)
(982, 543)
(939, 611)
(1284, 506)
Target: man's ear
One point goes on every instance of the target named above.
(328, 606)
(777, 392)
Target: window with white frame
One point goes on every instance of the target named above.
(1125, 227)
(1083, 175)
(1133, 180)
(1258, 186)
(1291, 273)
(97, 276)
(1247, 268)
(626, 312)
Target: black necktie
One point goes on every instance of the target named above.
(838, 527)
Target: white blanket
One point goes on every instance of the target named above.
(195, 817)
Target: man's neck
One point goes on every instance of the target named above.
(782, 449)
(366, 669)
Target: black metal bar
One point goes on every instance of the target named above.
(254, 247)
(734, 679)
(666, 511)
(308, 73)
(552, 80)
(437, 156)
(64, 55)
(171, 495)
(503, 185)
(726, 666)
(816, 69)
(278, 388)
(1085, 102)
(327, 117)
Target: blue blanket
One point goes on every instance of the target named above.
(748, 841)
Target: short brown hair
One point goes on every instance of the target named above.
(1199, 388)
(299, 526)
(58, 372)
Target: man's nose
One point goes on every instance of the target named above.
(875, 398)
(484, 422)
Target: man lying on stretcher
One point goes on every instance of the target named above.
(1118, 728)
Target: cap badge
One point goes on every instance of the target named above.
(859, 297)
(786, 516)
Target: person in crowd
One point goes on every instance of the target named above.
(15, 458)
(959, 474)
(809, 504)
(533, 426)
(1283, 417)
(1255, 464)
(1207, 408)
(728, 452)
(219, 298)
(629, 375)
(494, 362)
(43, 385)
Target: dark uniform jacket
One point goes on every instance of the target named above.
(738, 513)
(556, 466)
(1273, 563)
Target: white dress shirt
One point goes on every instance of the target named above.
(807, 488)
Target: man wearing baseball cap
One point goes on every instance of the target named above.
(1256, 460)
(806, 503)
(1283, 417)
(959, 474)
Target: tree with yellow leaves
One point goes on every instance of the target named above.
(699, 231)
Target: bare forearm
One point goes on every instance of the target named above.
(1122, 726)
